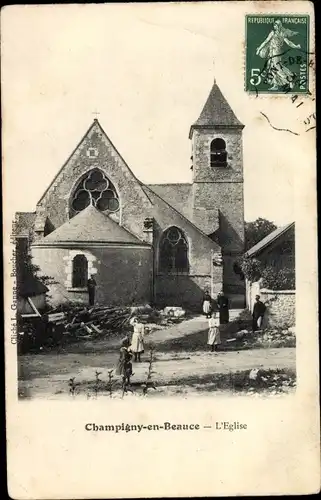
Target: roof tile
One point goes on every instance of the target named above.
(256, 249)
(216, 112)
(90, 225)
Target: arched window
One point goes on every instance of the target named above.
(79, 271)
(218, 153)
(97, 190)
(173, 252)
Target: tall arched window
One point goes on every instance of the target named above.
(173, 252)
(218, 153)
(97, 190)
(79, 271)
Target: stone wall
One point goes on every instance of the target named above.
(123, 275)
(202, 171)
(186, 291)
(55, 203)
(220, 190)
(280, 305)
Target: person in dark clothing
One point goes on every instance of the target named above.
(91, 287)
(223, 307)
(124, 366)
(258, 313)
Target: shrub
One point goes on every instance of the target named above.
(281, 279)
(252, 268)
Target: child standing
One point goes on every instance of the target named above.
(207, 304)
(214, 338)
(137, 344)
(124, 366)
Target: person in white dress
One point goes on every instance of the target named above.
(214, 338)
(207, 304)
(137, 343)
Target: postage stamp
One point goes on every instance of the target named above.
(160, 275)
(277, 54)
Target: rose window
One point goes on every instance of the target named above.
(95, 189)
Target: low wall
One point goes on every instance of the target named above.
(280, 307)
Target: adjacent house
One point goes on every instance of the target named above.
(277, 249)
(275, 252)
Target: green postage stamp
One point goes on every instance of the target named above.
(277, 54)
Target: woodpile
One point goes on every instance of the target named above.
(94, 321)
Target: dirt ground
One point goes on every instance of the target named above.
(47, 375)
(182, 365)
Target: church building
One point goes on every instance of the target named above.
(163, 244)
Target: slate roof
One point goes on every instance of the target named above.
(270, 238)
(216, 113)
(90, 226)
(160, 204)
(177, 195)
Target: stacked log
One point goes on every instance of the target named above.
(94, 321)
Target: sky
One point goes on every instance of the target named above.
(146, 70)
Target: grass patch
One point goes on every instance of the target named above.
(278, 381)
(240, 381)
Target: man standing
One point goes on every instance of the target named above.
(91, 286)
(223, 307)
(258, 313)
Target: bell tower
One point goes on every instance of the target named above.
(218, 202)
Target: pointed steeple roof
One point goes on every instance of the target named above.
(90, 226)
(216, 113)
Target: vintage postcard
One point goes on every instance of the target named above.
(160, 249)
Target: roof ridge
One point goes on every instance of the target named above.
(68, 159)
(27, 212)
(171, 184)
(269, 238)
(75, 219)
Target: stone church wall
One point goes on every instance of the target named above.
(133, 201)
(202, 170)
(221, 188)
(187, 290)
(180, 290)
(123, 275)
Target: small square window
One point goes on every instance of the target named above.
(92, 152)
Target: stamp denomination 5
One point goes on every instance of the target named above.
(277, 50)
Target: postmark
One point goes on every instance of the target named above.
(277, 54)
